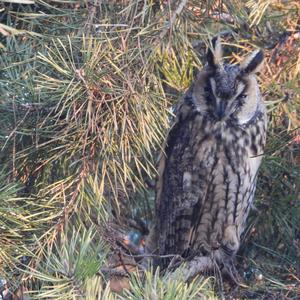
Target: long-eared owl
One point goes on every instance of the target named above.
(208, 169)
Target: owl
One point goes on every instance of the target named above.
(207, 172)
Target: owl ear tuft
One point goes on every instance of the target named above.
(214, 53)
(253, 63)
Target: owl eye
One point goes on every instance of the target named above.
(243, 96)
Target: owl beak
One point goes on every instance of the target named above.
(221, 108)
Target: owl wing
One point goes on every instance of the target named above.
(178, 200)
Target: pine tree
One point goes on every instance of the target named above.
(87, 90)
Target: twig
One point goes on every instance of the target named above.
(113, 272)
(123, 264)
(92, 9)
(151, 255)
(175, 262)
(173, 18)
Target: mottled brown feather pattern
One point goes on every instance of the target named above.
(208, 171)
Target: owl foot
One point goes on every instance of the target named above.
(196, 266)
(232, 273)
(175, 263)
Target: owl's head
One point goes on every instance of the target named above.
(228, 91)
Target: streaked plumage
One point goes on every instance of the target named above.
(207, 174)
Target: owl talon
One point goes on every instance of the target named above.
(175, 262)
(232, 273)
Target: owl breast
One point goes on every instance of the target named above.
(209, 181)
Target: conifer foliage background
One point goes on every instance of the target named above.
(86, 96)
